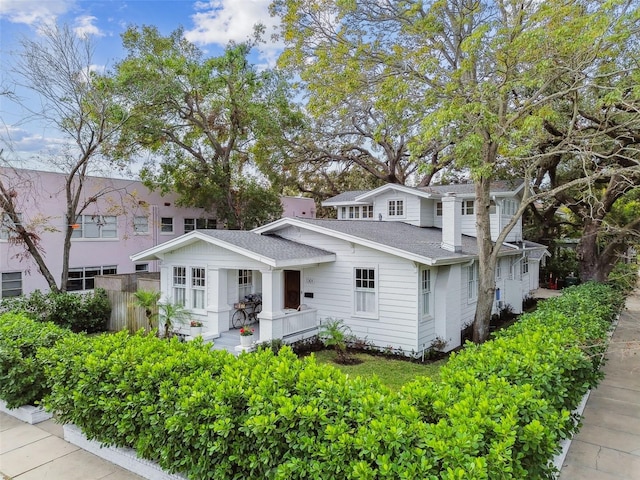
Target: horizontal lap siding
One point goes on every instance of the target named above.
(203, 254)
(332, 286)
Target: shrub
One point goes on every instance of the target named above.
(86, 312)
(624, 276)
(22, 380)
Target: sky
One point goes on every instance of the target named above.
(210, 24)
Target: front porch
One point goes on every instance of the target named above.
(291, 325)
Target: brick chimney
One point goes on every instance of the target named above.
(451, 222)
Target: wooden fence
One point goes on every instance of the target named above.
(124, 314)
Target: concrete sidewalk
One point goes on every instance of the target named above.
(607, 447)
(36, 452)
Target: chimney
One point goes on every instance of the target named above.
(451, 222)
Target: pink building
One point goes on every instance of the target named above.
(123, 218)
(300, 207)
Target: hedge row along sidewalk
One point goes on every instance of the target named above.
(499, 410)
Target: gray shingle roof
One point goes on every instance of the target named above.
(499, 186)
(420, 241)
(343, 197)
(270, 246)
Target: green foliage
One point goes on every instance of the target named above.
(22, 380)
(498, 410)
(148, 300)
(86, 312)
(172, 314)
(334, 333)
(624, 276)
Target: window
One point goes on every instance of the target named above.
(365, 291)
(245, 283)
(343, 210)
(513, 268)
(525, 265)
(141, 225)
(142, 267)
(425, 292)
(7, 226)
(467, 207)
(166, 225)
(509, 207)
(498, 269)
(198, 287)
(492, 208)
(95, 226)
(396, 208)
(354, 212)
(191, 224)
(472, 281)
(367, 211)
(11, 284)
(438, 209)
(180, 285)
(84, 278)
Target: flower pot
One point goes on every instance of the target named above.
(195, 331)
(245, 340)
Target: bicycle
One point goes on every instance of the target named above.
(246, 312)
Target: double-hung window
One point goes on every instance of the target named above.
(191, 224)
(425, 292)
(367, 211)
(366, 291)
(438, 209)
(180, 286)
(472, 281)
(396, 208)
(166, 225)
(95, 226)
(245, 283)
(83, 278)
(198, 284)
(141, 225)
(467, 207)
(354, 212)
(525, 265)
(498, 269)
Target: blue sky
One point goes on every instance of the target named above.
(210, 24)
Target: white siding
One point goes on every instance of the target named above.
(427, 212)
(411, 207)
(467, 307)
(332, 287)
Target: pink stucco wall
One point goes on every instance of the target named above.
(298, 207)
(41, 200)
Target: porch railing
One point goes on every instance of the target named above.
(296, 322)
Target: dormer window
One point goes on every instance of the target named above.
(467, 207)
(396, 208)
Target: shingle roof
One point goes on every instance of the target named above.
(499, 186)
(270, 246)
(344, 197)
(422, 241)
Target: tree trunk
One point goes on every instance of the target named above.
(487, 261)
(588, 253)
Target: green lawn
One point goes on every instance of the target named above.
(392, 372)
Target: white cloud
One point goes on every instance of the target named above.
(221, 21)
(34, 12)
(84, 26)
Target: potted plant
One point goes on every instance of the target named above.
(246, 336)
(196, 327)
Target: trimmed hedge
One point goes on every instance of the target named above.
(22, 380)
(498, 411)
(79, 312)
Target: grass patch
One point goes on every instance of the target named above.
(392, 372)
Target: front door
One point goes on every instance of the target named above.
(291, 288)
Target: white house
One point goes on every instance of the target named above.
(399, 266)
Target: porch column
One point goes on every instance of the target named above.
(217, 308)
(272, 303)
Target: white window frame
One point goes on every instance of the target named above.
(7, 226)
(525, 265)
(343, 213)
(395, 207)
(87, 282)
(367, 211)
(472, 282)
(141, 225)
(179, 285)
(8, 289)
(468, 207)
(245, 283)
(426, 294)
(198, 291)
(365, 292)
(354, 213)
(142, 267)
(498, 269)
(166, 227)
(96, 227)
(191, 224)
(438, 209)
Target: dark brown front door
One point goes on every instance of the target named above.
(291, 289)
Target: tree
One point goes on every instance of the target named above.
(487, 72)
(78, 103)
(220, 125)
